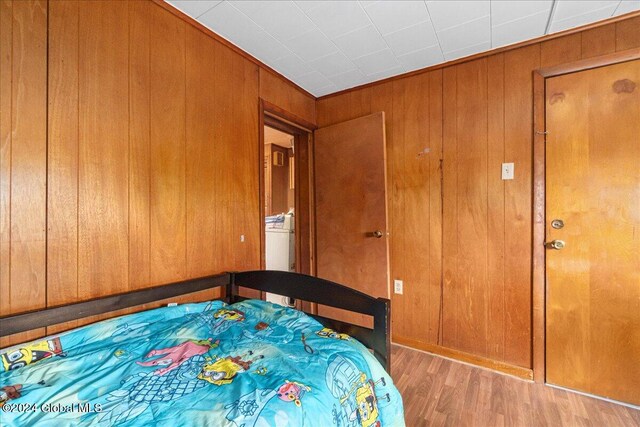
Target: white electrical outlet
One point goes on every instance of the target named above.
(507, 171)
(242, 237)
(397, 286)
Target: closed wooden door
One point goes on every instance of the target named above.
(593, 195)
(351, 213)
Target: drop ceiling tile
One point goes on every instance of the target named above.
(335, 18)
(422, 58)
(627, 6)
(390, 16)
(412, 38)
(333, 64)
(306, 5)
(570, 8)
(194, 8)
(361, 42)
(470, 50)
(282, 19)
(518, 30)
(236, 27)
(377, 62)
(291, 66)
(465, 35)
(507, 11)
(447, 14)
(311, 45)
(386, 73)
(349, 79)
(585, 18)
(312, 79)
(326, 90)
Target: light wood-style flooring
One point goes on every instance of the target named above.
(441, 392)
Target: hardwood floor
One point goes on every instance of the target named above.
(441, 392)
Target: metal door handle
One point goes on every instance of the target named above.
(377, 234)
(554, 244)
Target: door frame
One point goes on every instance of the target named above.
(273, 116)
(539, 193)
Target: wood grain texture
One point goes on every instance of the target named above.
(518, 108)
(628, 34)
(103, 157)
(599, 41)
(23, 133)
(201, 182)
(278, 91)
(497, 116)
(441, 392)
(167, 143)
(128, 193)
(6, 59)
(140, 22)
(593, 306)
(350, 164)
(62, 178)
(562, 50)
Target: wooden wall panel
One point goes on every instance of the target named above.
(103, 169)
(140, 22)
(518, 110)
(496, 310)
(62, 178)
(599, 41)
(561, 50)
(6, 59)
(201, 181)
(246, 206)
(277, 91)
(628, 34)
(450, 295)
(23, 173)
(152, 152)
(481, 111)
(167, 147)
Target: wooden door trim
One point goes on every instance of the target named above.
(273, 116)
(539, 192)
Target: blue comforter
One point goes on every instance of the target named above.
(248, 364)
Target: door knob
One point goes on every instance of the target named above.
(377, 234)
(554, 244)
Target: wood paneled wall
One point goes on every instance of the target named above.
(140, 166)
(460, 236)
(23, 156)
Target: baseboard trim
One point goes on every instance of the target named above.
(461, 356)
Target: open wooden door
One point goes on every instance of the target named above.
(351, 212)
(593, 231)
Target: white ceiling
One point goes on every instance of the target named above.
(327, 46)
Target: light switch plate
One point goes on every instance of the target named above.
(507, 171)
(397, 286)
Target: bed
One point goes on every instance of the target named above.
(232, 362)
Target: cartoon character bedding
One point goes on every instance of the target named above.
(248, 364)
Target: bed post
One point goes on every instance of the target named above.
(231, 289)
(382, 331)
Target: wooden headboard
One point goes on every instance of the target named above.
(294, 285)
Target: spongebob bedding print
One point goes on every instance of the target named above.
(208, 364)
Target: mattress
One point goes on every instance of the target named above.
(248, 364)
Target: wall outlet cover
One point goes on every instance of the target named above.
(508, 171)
(397, 286)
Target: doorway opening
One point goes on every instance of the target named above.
(286, 195)
(279, 206)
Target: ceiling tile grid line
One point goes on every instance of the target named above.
(327, 46)
(431, 19)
